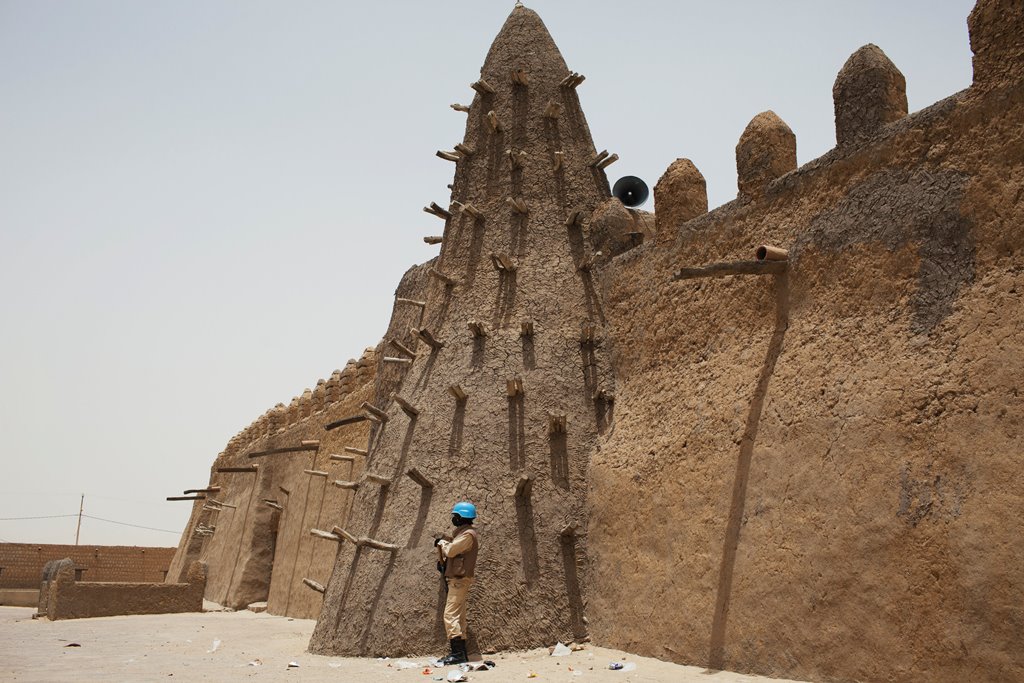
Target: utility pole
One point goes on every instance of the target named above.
(81, 504)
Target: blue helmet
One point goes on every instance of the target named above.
(465, 509)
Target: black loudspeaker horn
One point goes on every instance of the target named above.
(631, 191)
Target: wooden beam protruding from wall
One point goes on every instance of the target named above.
(502, 263)
(446, 279)
(427, 338)
(243, 468)
(518, 205)
(419, 478)
(315, 473)
(588, 333)
(572, 81)
(351, 419)
(320, 533)
(407, 408)
(401, 348)
(732, 268)
(436, 210)
(376, 412)
(482, 87)
(303, 446)
(493, 122)
(556, 423)
(477, 328)
(523, 487)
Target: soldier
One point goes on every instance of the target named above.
(457, 559)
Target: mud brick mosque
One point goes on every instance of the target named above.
(810, 397)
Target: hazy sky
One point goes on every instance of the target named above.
(205, 206)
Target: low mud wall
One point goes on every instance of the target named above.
(70, 599)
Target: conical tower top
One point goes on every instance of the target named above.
(523, 43)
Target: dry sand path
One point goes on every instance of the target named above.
(177, 647)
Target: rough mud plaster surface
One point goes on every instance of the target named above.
(527, 591)
(313, 502)
(869, 93)
(829, 465)
(258, 553)
(766, 150)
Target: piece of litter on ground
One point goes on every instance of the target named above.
(456, 675)
(72, 645)
(427, 671)
(256, 662)
(615, 666)
(293, 665)
(532, 674)
(404, 664)
(216, 644)
(560, 650)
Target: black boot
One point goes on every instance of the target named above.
(458, 655)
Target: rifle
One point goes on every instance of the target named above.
(442, 561)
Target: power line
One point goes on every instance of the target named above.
(137, 526)
(14, 519)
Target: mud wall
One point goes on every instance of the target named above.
(21, 564)
(65, 598)
(823, 464)
(253, 527)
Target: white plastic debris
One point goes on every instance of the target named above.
(256, 662)
(456, 675)
(561, 650)
(405, 664)
(216, 644)
(293, 665)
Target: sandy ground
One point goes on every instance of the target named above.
(159, 647)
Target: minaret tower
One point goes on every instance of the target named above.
(504, 388)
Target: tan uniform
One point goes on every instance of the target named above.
(461, 554)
